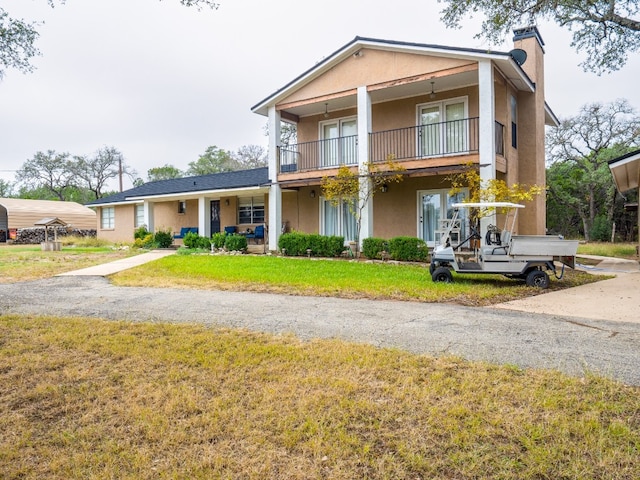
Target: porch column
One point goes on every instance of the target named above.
(204, 225)
(486, 127)
(275, 192)
(366, 199)
(148, 215)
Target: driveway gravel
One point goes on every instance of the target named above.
(571, 344)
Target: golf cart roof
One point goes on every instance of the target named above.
(487, 205)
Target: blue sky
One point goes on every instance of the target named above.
(162, 82)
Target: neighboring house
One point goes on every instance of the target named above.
(436, 109)
(626, 175)
(207, 202)
(18, 213)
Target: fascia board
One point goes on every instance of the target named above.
(183, 195)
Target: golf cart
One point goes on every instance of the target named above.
(525, 257)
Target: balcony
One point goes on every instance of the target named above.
(458, 137)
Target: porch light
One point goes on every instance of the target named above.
(326, 110)
(384, 188)
(312, 194)
(432, 95)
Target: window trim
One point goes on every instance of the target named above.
(138, 215)
(339, 121)
(111, 219)
(442, 104)
(255, 203)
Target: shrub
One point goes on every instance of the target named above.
(140, 232)
(297, 244)
(235, 242)
(601, 230)
(408, 249)
(144, 242)
(163, 238)
(190, 240)
(204, 243)
(371, 247)
(217, 239)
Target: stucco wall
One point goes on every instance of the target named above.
(124, 218)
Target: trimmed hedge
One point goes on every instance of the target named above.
(297, 244)
(235, 243)
(408, 249)
(371, 247)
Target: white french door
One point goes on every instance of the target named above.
(339, 142)
(434, 206)
(443, 127)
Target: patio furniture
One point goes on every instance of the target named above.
(184, 231)
(258, 233)
(230, 230)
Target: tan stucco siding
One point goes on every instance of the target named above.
(124, 218)
(166, 215)
(371, 68)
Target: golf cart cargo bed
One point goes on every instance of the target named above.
(542, 245)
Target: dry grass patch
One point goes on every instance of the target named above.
(336, 278)
(24, 263)
(91, 399)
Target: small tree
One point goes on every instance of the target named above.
(493, 190)
(357, 188)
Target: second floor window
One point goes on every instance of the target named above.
(444, 127)
(339, 144)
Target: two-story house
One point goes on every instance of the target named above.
(435, 109)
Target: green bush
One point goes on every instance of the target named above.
(140, 233)
(601, 230)
(408, 249)
(217, 239)
(163, 238)
(235, 242)
(371, 247)
(190, 240)
(144, 242)
(204, 243)
(297, 244)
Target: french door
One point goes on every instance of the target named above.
(435, 206)
(443, 128)
(339, 142)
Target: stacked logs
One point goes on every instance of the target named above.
(36, 235)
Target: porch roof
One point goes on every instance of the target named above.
(626, 171)
(190, 186)
(503, 60)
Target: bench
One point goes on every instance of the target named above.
(184, 231)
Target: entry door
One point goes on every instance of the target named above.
(215, 216)
(435, 205)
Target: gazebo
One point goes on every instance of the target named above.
(626, 174)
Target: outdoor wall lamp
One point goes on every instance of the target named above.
(312, 194)
(384, 188)
(226, 202)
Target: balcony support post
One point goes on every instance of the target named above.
(366, 198)
(487, 125)
(275, 192)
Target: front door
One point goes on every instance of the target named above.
(434, 206)
(215, 216)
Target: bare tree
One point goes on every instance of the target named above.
(96, 171)
(251, 156)
(50, 171)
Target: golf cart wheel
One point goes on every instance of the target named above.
(442, 274)
(432, 267)
(538, 278)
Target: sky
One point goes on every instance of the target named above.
(162, 82)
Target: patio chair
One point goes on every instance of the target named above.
(258, 233)
(230, 230)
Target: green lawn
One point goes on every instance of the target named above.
(605, 249)
(83, 398)
(341, 278)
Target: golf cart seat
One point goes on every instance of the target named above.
(501, 249)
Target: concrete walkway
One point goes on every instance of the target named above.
(118, 265)
(616, 299)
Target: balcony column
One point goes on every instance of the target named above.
(275, 192)
(204, 222)
(487, 132)
(366, 199)
(148, 215)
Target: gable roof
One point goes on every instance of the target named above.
(504, 60)
(239, 179)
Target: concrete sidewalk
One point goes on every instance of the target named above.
(616, 299)
(118, 265)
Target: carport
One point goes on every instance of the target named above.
(626, 174)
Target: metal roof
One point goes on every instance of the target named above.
(626, 171)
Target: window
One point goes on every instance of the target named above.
(434, 207)
(251, 210)
(182, 206)
(107, 217)
(339, 144)
(138, 220)
(444, 127)
(338, 220)
(514, 122)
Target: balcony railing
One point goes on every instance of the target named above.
(458, 137)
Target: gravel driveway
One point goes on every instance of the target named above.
(571, 344)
